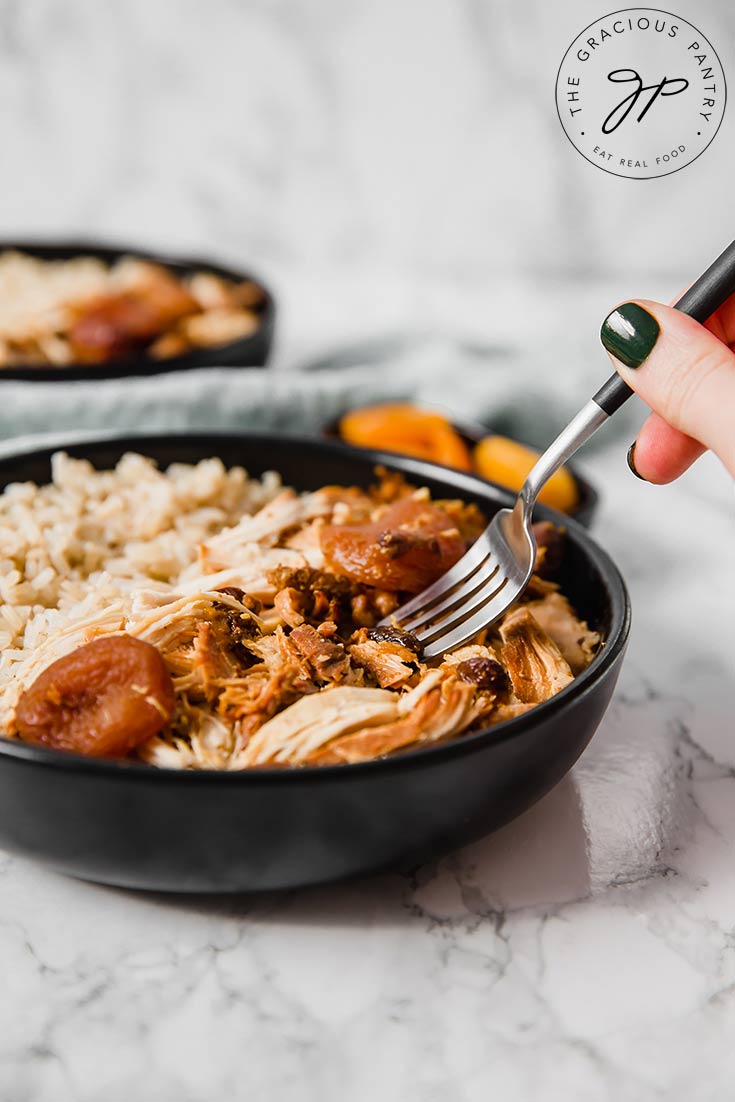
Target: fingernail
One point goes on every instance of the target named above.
(630, 459)
(629, 333)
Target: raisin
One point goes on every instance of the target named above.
(232, 591)
(486, 673)
(396, 635)
(252, 604)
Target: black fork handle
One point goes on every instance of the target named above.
(700, 302)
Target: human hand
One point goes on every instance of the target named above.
(686, 373)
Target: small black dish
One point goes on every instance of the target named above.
(472, 433)
(139, 827)
(249, 351)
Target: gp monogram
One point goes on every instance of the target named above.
(641, 93)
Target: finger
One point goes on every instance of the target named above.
(679, 368)
(722, 322)
(662, 453)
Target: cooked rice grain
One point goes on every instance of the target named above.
(73, 553)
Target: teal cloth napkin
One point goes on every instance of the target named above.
(505, 391)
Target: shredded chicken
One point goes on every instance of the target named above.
(297, 733)
(284, 512)
(577, 643)
(329, 661)
(350, 725)
(439, 707)
(390, 663)
(276, 659)
(317, 595)
(279, 678)
(534, 663)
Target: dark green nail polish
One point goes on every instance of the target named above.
(630, 459)
(629, 333)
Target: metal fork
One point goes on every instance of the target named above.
(492, 575)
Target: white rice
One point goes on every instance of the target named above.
(76, 552)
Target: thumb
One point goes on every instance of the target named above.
(680, 369)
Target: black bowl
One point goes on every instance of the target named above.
(141, 827)
(249, 351)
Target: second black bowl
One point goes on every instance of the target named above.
(252, 351)
(472, 432)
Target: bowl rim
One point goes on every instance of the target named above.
(461, 482)
(110, 250)
(472, 432)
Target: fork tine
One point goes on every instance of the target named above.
(480, 616)
(466, 565)
(458, 594)
(453, 619)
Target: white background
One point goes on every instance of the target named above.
(370, 147)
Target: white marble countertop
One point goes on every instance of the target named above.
(586, 951)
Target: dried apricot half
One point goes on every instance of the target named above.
(508, 462)
(102, 700)
(407, 429)
(408, 548)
